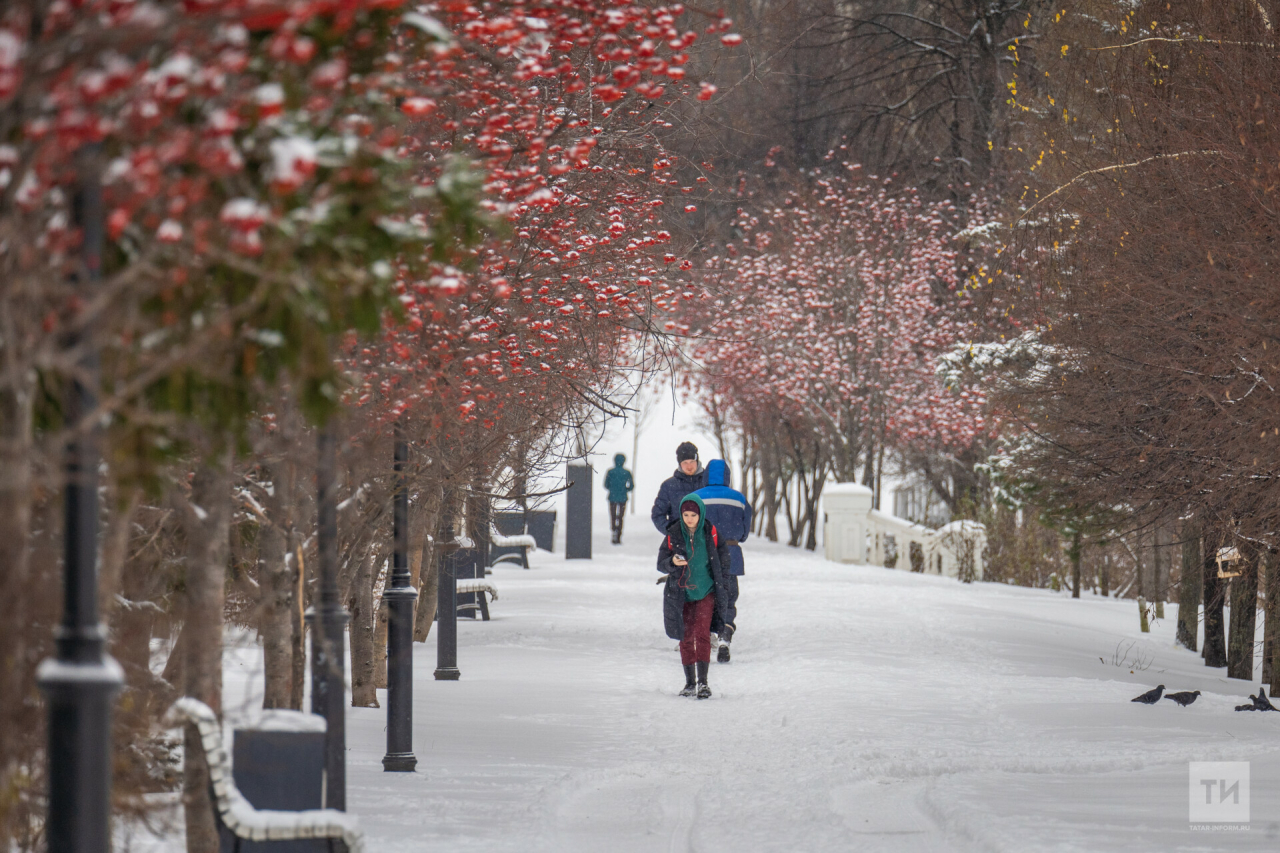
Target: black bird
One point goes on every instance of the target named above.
(1185, 698)
(1151, 697)
(1260, 702)
(1252, 706)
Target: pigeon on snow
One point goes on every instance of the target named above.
(1260, 702)
(1151, 697)
(1185, 698)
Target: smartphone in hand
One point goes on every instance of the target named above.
(679, 561)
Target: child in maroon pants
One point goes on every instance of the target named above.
(696, 562)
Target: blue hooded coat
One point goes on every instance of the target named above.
(618, 481)
(728, 510)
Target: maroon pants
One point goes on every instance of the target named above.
(696, 644)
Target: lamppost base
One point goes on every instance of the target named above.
(399, 762)
(448, 673)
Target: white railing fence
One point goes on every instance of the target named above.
(853, 532)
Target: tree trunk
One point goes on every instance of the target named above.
(207, 524)
(172, 671)
(1145, 571)
(1104, 574)
(812, 499)
(132, 630)
(1074, 553)
(427, 599)
(380, 645)
(115, 549)
(298, 637)
(16, 493)
(430, 574)
(1190, 582)
(275, 616)
(793, 510)
(1244, 614)
(1143, 624)
(771, 507)
(278, 577)
(478, 519)
(360, 605)
(1160, 567)
(422, 520)
(1270, 629)
(381, 619)
(1215, 645)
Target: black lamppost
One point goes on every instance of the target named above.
(400, 598)
(447, 598)
(329, 621)
(80, 683)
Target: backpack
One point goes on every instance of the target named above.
(715, 538)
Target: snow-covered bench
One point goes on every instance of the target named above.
(239, 816)
(480, 587)
(523, 541)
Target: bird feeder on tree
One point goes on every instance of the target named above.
(1231, 557)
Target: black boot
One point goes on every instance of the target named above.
(689, 687)
(726, 636)
(704, 692)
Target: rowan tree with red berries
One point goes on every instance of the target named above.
(827, 318)
(444, 214)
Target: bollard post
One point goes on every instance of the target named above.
(400, 598)
(81, 682)
(447, 598)
(577, 513)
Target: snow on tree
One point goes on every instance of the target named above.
(831, 313)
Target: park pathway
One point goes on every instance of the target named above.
(865, 709)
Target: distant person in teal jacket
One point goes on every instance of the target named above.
(619, 483)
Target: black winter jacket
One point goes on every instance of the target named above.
(666, 507)
(673, 595)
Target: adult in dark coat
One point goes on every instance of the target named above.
(688, 477)
(730, 512)
(695, 559)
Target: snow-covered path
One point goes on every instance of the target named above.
(865, 709)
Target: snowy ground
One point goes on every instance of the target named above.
(865, 709)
